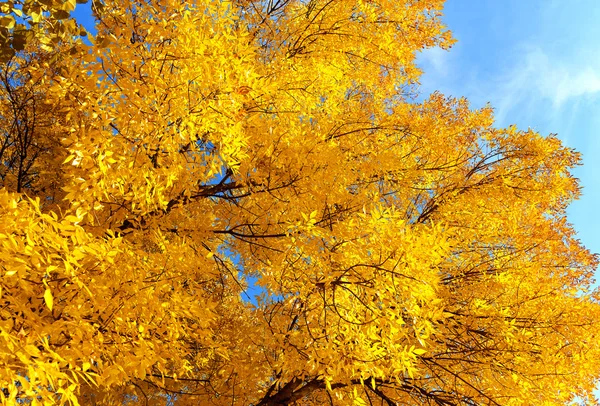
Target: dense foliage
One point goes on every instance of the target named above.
(196, 154)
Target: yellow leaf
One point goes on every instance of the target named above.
(36, 17)
(7, 22)
(48, 298)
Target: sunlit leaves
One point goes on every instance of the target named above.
(44, 22)
(241, 203)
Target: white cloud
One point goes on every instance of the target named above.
(559, 83)
(537, 78)
(435, 61)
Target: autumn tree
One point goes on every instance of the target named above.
(242, 203)
(45, 23)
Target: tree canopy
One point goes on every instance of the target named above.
(43, 22)
(244, 203)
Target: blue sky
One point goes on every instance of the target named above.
(538, 63)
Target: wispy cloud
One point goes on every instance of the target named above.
(435, 61)
(556, 81)
(526, 84)
(536, 79)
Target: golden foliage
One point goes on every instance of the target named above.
(197, 154)
(43, 22)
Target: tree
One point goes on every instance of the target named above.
(199, 153)
(43, 22)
